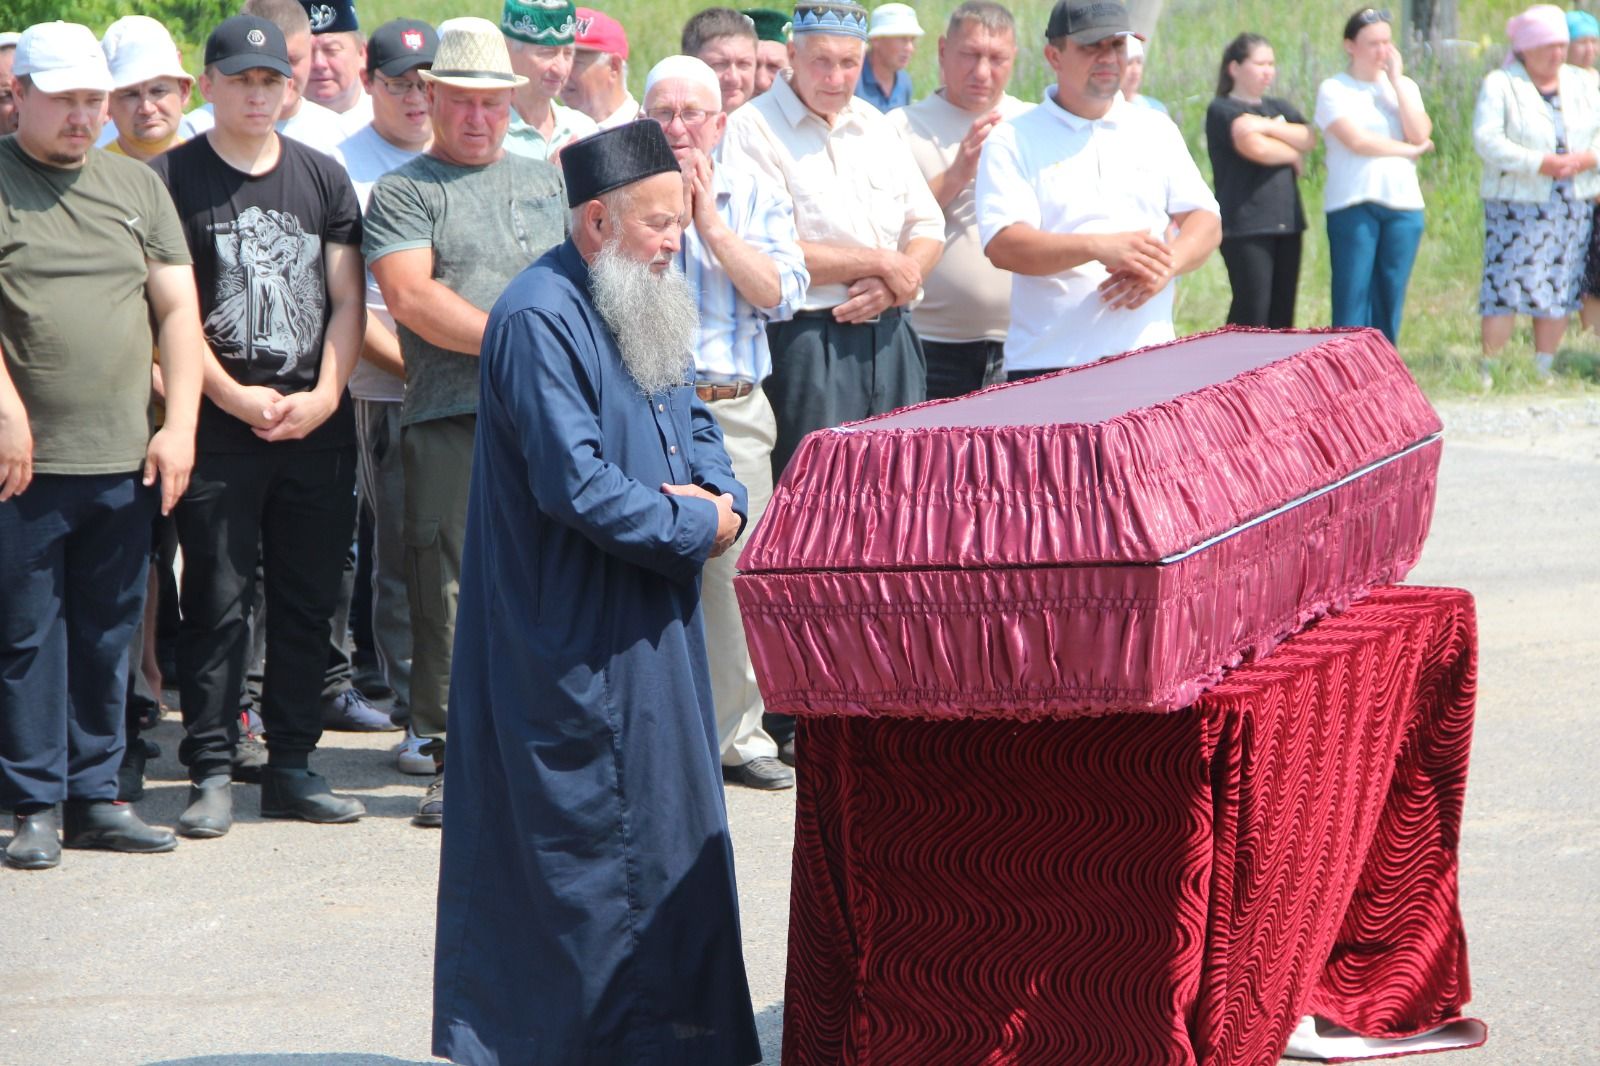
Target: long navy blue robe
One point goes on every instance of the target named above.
(587, 909)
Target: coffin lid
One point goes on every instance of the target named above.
(1131, 459)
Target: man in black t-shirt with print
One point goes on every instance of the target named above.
(275, 231)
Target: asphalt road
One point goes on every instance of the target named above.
(286, 943)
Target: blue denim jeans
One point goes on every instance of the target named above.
(1371, 249)
(73, 553)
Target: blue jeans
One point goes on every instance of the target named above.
(1371, 249)
(73, 552)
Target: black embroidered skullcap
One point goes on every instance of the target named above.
(613, 158)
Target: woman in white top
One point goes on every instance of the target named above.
(1376, 130)
(1537, 128)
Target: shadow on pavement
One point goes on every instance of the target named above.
(321, 1058)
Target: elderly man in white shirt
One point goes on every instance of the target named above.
(742, 256)
(1076, 198)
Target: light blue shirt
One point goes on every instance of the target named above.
(869, 90)
(732, 343)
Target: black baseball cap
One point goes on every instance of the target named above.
(245, 42)
(401, 45)
(1089, 23)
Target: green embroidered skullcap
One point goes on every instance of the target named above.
(548, 22)
(770, 25)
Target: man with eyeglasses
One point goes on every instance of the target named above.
(400, 130)
(445, 233)
(149, 88)
(539, 35)
(742, 256)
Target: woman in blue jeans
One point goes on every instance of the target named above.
(1376, 129)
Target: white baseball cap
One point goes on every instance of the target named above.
(60, 57)
(138, 48)
(9, 39)
(894, 20)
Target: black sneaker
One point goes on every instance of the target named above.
(249, 759)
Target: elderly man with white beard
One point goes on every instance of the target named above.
(587, 907)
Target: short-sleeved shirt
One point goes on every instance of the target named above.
(1372, 106)
(899, 94)
(258, 242)
(367, 157)
(525, 140)
(484, 225)
(966, 297)
(854, 183)
(75, 249)
(1256, 200)
(1061, 173)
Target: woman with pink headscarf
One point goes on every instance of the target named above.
(1537, 127)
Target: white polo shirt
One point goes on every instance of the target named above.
(1061, 173)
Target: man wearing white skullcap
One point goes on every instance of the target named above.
(743, 257)
(1133, 77)
(150, 88)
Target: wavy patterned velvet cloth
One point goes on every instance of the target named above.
(1052, 546)
(1145, 889)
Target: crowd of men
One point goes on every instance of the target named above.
(548, 346)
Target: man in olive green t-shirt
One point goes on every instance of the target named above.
(90, 249)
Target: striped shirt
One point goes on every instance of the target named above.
(732, 345)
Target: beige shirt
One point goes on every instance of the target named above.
(966, 297)
(854, 184)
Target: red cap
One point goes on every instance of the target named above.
(599, 32)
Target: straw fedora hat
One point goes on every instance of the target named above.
(472, 55)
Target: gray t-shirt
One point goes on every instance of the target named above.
(484, 224)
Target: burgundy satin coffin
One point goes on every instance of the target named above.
(1110, 538)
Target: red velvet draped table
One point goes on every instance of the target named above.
(1145, 888)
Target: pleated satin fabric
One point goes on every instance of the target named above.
(1153, 889)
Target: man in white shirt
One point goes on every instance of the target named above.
(401, 129)
(338, 55)
(1076, 197)
(539, 36)
(309, 123)
(966, 303)
(598, 84)
(743, 258)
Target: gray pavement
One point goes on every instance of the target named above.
(295, 945)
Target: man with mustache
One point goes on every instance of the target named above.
(445, 233)
(587, 907)
(539, 34)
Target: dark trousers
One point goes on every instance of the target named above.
(825, 373)
(293, 511)
(73, 553)
(1265, 275)
(955, 369)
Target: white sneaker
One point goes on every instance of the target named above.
(408, 757)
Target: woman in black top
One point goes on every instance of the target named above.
(1258, 145)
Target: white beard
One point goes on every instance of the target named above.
(653, 317)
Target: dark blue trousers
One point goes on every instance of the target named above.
(73, 557)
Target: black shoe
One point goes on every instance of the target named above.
(249, 759)
(765, 773)
(304, 795)
(35, 845)
(349, 712)
(112, 826)
(430, 812)
(786, 752)
(130, 775)
(210, 810)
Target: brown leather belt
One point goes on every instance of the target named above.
(712, 393)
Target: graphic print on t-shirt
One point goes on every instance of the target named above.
(268, 312)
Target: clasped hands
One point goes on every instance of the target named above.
(1140, 266)
(727, 518)
(893, 280)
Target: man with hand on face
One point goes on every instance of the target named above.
(725, 41)
(1076, 197)
(539, 35)
(598, 84)
(445, 234)
(772, 45)
(91, 254)
(274, 228)
(338, 56)
(966, 304)
(742, 256)
(150, 88)
(587, 906)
